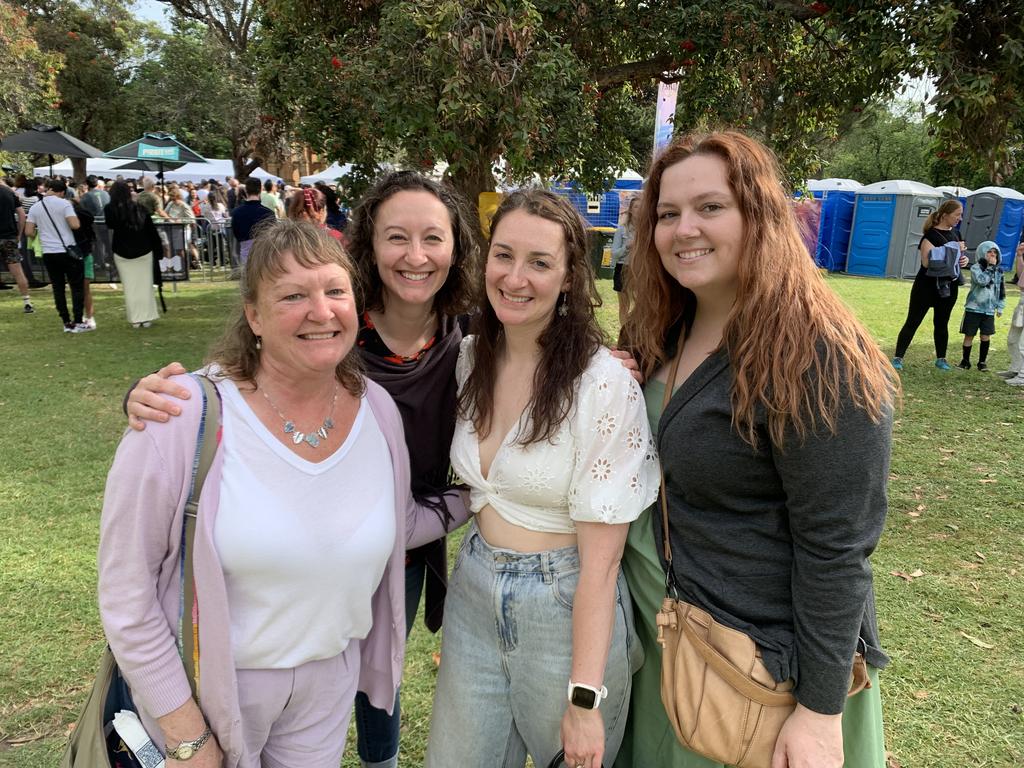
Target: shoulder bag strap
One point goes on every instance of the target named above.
(206, 448)
(670, 578)
(42, 202)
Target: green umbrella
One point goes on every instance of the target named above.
(160, 148)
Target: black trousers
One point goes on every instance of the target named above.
(63, 269)
(924, 296)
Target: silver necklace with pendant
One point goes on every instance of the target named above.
(312, 439)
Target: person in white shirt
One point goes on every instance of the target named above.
(553, 442)
(54, 218)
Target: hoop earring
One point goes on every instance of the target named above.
(563, 304)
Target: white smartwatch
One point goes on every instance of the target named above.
(586, 696)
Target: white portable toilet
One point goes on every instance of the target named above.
(960, 193)
(818, 187)
(888, 222)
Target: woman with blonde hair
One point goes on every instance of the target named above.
(178, 210)
(774, 445)
(301, 531)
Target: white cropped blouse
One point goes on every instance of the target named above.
(599, 467)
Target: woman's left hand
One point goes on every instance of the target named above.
(809, 739)
(629, 363)
(964, 261)
(583, 737)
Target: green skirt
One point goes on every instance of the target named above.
(649, 741)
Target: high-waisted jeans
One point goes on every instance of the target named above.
(506, 658)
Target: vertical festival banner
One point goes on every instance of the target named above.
(665, 115)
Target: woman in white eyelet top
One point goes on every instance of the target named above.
(599, 467)
(552, 439)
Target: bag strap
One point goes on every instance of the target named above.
(670, 579)
(206, 447)
(737, 679)
(42, 202)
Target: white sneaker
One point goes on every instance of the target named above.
(90, 321)
(81, 328)
(1016, 381)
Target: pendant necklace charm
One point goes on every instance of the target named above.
(312, 439)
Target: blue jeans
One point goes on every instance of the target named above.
(506, 658)
(377, 732)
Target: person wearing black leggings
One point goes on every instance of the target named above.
(925, 293)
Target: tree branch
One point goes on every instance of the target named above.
(636, 70)
(795, 9)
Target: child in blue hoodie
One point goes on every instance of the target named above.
(984, 301)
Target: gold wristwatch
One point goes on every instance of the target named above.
(186, 749)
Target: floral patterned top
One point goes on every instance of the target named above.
(599, 467)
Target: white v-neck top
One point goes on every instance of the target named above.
(303, 544)
(599, 467)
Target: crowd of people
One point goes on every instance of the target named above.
(61, 232)
(381, 390)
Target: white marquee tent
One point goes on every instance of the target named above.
(327, 175)
(217, 168)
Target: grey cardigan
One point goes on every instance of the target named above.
(775, 542)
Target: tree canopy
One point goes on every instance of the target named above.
(519, 89)
(28, 75)
(888, 141)
(565, 88)
(975, 50)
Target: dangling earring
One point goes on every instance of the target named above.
(563, 304)
(259, 343)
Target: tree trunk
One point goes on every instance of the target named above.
(244, 167)
(470, 181)
(78, 169)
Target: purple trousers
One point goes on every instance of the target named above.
(298, 717)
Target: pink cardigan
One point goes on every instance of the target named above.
(140, 539)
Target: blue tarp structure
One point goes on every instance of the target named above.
(838, 197)
(602, 210)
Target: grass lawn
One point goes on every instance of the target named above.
(951, 619)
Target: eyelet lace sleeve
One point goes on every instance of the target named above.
(615, 469)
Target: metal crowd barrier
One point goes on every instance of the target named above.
(200, 249)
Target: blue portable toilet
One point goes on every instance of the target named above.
(838, 197)
(888, 221)
(994, 213)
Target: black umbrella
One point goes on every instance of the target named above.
(48, 140)
(160, 148)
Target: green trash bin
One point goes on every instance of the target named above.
(601, 252)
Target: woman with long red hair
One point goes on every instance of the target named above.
(774, 443)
